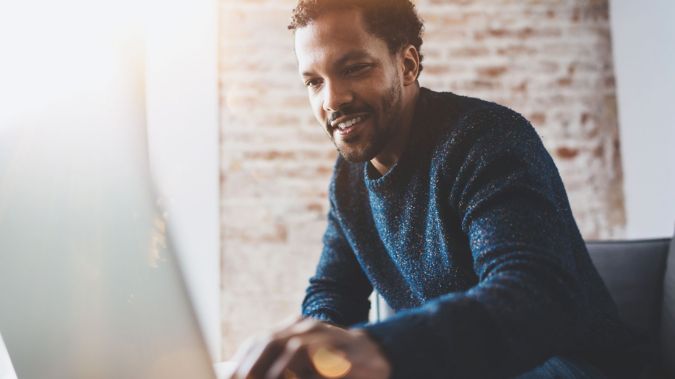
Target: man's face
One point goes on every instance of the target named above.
(353, 82)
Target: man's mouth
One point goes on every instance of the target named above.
(347, 124)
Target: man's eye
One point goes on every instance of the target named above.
(356, 69)
(312, 83)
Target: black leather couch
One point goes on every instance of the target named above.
(640, 275)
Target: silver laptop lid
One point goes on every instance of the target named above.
(89, 287)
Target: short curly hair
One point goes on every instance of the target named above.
(394, 21)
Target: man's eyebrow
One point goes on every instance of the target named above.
(350, 55)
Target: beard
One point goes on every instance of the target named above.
(385, 126)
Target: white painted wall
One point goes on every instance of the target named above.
(643, 36)
(182, 106)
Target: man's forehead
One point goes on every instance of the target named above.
(330, 29)
(305, 65)
(335, 38)
(334, 29)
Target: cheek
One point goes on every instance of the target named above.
(317, 108)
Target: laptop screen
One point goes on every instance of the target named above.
(90, 287)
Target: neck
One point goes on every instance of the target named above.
(386, 159)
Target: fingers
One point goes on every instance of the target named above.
(287, 323)
(257, 357)
(294, 361)
(246, 348)
(257, 362)
(291, 354)
(310, 349)
(300, 327)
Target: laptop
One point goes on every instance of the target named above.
(89, 285)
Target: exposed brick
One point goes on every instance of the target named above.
(492, 71)
(468, 51)
(565, 82)
(566, 152)
(537, 118)
(516, 50)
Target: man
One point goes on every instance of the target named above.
(449, 207)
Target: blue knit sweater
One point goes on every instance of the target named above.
(470, 237)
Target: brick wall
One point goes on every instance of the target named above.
(549, 60)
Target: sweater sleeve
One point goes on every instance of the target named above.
(338, 292)
(527, 305)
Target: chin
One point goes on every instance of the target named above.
(358, 153)
(355, 156)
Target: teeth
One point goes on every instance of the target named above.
(347, 124)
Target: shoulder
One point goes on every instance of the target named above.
(462, 116)
(464, 125)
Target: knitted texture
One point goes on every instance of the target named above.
(470, 237)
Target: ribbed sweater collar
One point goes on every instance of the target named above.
(376, 182)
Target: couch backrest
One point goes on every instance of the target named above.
(633, 272)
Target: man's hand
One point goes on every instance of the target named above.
(309, 349)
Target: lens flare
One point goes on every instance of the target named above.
(330, 363)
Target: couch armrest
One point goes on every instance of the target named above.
(668, 314)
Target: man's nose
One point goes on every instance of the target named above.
(336, 96)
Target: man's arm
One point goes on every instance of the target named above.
(338, 292)
(528, 303)
(338, 297)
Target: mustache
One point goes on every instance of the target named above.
(346, 111)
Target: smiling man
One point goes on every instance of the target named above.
(449, 207)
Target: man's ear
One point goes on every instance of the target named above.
(411, 64)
